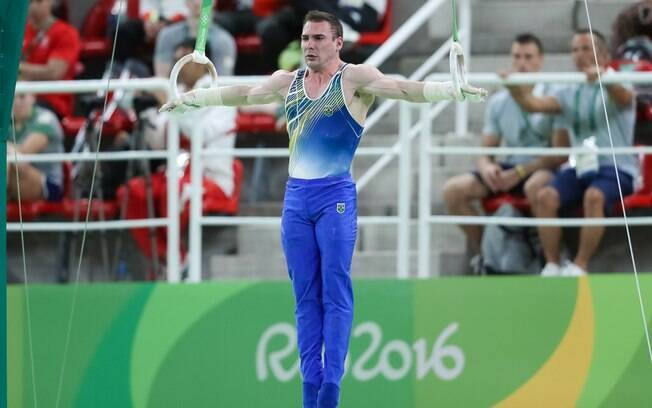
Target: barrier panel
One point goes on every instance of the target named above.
(522, 341)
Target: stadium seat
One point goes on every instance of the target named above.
(34, 209)
(118, 122)
(93, 33)
(251, 44)
(491, 204)
(379, 37)
(264, 8)
(255, 123)
(210, 206)
(642, 199)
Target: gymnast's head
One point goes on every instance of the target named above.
(321, 39)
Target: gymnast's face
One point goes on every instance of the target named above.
(526, 57)
(319, 44)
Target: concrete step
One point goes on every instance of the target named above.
(377, 264)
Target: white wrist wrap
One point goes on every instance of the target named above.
(438, 91)
(203, 97)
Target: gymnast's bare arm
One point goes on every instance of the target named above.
(367, 79)
(273, 89)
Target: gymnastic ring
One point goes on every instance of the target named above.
(197, 57)
(458, 69)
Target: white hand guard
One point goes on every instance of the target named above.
(473, 94)
(195, 99)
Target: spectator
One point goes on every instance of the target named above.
(216, 126)
(137, 36)
(37, 131)
(634, 20)
(591, 179)
(222, 44)
(506, 123)
(50, 53)
(239, 21)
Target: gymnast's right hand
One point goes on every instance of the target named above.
(185, 102)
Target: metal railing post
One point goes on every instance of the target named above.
(173, 203)
(404, 182)
(196, 196)
(425, 171)
(462, 108)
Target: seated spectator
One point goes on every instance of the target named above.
(239, 21)
(50, 53)
(222, 44)
(37, 131)
(506, 123)
(215, 125)
(591, 180)
(137, 36)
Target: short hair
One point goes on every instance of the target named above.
(189, 43)
(318, 16)
(529, 38)
(597, 35)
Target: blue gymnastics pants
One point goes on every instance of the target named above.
(318, 232)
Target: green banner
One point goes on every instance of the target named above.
(506, 342)
(12, 24)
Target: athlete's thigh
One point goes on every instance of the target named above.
(301, 254)
(336, 230)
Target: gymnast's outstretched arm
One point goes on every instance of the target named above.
(369, 80)
(272, 89)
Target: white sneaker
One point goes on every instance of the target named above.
(572, 270)
(551, 270)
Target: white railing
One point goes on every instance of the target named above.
(407, 29)
(407, 131)
(401, 148)
(171, 154)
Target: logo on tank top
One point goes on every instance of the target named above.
(328, 110)
(340, 208)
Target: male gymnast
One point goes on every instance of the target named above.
(325, 105)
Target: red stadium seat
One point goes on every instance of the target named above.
(211, 206)
(251, 44)
(118, 122)
(264, 8)
(34, 209)
(94, 42)
(492, 204)
(385, 31)
(255, 123)
(642, 199)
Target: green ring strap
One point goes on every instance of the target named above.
(202, 30)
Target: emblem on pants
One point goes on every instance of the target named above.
(340, 208)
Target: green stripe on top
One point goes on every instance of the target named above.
(454, 25)
(204, 22)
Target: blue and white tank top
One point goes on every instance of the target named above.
(323, 134)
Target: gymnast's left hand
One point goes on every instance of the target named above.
(183, 104)
(473, 94)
